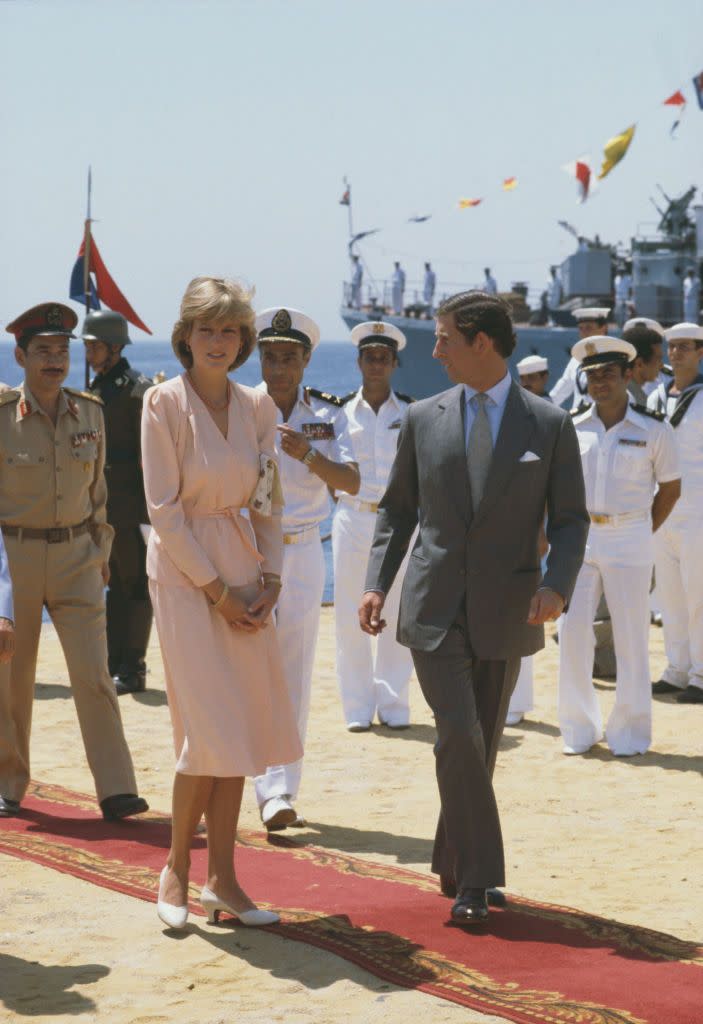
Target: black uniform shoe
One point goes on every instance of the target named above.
(494, 897)
(663, 687)
(691, 695)
(122, 805)
(470, 908)
(129, 682)
(9, 808)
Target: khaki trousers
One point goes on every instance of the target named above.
(66, 578)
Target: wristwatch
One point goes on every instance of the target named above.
(309, 456)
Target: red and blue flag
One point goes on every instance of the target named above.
(102, 287)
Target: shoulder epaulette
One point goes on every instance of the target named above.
(85, 394)
(581, 407)
(141, 386)
(668, 370)
(646, 411)
(348, 398)
(404, 398)
(8, 396)
(324, 396)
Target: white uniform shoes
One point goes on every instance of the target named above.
(278, 813)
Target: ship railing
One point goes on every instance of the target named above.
(376, 299)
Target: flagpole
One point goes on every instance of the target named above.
(86, 269)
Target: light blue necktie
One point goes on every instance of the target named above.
(480, 449)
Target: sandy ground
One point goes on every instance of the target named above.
(618, 837)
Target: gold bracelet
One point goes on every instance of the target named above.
(222, 598)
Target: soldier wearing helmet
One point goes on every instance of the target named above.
(122, 390)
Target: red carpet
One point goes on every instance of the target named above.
(534, 963)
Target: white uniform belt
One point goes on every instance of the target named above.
(303, 536)
(621, 518)
(358, 504)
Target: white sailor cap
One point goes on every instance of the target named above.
(600, 350)
(532, 364)
(591, 313)
(685, 330)
(283, 323)
(376, 332)
(643, 321)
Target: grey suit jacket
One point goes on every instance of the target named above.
(492, 557)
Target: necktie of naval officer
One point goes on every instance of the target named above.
(480, 449)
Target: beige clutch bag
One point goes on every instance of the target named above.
(268, 491)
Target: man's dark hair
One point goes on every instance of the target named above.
(644, 340)
(477, 311)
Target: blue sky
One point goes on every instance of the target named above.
(219, 132)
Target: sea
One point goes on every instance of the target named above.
(332, 368)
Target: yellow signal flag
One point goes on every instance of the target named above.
(615, 149)
(464, 204)
(509, 184)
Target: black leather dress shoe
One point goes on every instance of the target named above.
(663, 687)
(122, 805)
(494, 897)
(691, 695)
(129, 682)
(470, 907)
(9, 808)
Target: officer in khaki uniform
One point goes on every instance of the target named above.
(52, 513)
(122, 390)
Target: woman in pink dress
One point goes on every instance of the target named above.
(214, 562)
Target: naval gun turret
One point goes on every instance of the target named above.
(659, 263)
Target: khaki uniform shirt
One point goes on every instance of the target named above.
(53, 476)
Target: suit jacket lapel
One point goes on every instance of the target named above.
(451, 441)
(513, 439)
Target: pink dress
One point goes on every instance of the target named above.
(229, 703)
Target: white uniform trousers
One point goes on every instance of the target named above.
(626, 587)
(369, 682)
(678, 553)
(522, 699)
(297, 625)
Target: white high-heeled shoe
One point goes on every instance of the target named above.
(212, 905)
(172, 916)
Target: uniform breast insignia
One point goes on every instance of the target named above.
(324, 396)
(84, 437)
(633, 442)
(395, 425)
(318, 431)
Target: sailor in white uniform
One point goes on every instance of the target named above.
(591, 322)
(371, 682)
(678, 546)
(627, 452)
(398, 286)
(691, 297)
(647, 336)
(312, 458)
(428, 287)
(357, 278)
(533, 372)
(490, 285)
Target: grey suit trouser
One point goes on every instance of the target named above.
(469, 699)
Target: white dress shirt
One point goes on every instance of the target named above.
(623, 465)
(305, 494)
(373, 438)
(495, 406)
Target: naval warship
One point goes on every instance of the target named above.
(657, 263)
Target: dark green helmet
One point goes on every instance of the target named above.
(104, 325)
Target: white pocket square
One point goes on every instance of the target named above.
(529, 457)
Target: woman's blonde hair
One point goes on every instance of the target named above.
(213, 299)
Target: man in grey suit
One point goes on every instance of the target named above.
(476, 466)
